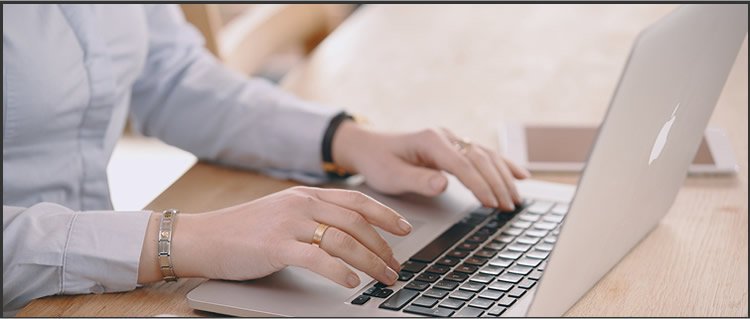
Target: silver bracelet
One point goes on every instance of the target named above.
(165, 244)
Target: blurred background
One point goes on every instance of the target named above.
(264, 40)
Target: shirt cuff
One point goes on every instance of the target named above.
(103, 251)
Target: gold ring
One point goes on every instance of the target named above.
(463, 145)
(318, 235)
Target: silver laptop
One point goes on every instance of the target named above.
(464, 260)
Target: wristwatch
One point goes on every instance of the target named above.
(332, 169)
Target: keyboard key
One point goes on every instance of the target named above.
(560, 209)
(520, 270)
(508, 277)
(504, 216)
(526, 240)
(470, 312)
(496, 310)
(472, 220)
(545, 225)
(448, 261)
(428, 277)
(456, 276)
(434, 312)
(527, 283)
(509, 254)
(382, 293)
(544, 247)
(425, 301)
(446, 284)
(482, 278)
(472, 286)
(405, 275)
(462, 295)
(467, 246)
(442, 243)
(542, 265)
(491, 270)
(481, 303)
(517, 292)
(492, 225)
(501, 262)
(436, 293)
(500, 285)
(380, 285)
(486, 231)
(370, 291)
(505, 239)
(467, 269)
(536, 233)
(535, 275)
(458, 253)
(360, 300)
(491, 294)
(529, 262)
(529, 217)
(485, 253)
(519, 247)
(553, 218)
(540, 207)
(437, 269)
(551, 239)
(476, 261)
(417, 285)
(538, 254)
(506, 301)
(513, 231)
(413, 266)
(494, 246)
(452, 303)
(399, 299)
(476, 239)
(521, 224)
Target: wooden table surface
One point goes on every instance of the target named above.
(470, 67)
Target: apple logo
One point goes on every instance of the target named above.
(661, 139)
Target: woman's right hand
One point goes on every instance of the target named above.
(257, 238)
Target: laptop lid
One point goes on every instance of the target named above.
(652, 130)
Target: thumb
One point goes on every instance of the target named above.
(420, 180)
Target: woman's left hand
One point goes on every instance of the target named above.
(411, 162)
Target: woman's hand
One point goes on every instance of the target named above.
(401, 163)
(258, 238)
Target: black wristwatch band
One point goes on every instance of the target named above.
(328, 141)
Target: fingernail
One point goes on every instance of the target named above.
(494, 202)
(509, 200)
(404, 225)
(394, 264)
(352, 280)
(391, 275)
(438, 182)
(526, 173)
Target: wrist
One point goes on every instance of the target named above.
(185, 252)
(347, 144)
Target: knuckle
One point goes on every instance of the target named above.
(354, 218)
(357, 198)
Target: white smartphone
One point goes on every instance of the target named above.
(547, 148)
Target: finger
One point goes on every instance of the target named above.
(508, 177)
(436, 148)
(417, 179)
(342, 245)
(373, 211)
(356, 226)
(491, 175)
(518, 171)
(318, 261)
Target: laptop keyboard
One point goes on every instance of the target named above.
(478, 267)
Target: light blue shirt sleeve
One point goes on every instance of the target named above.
(49, 249)
(188, 99)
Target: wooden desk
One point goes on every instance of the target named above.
(469, 67)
